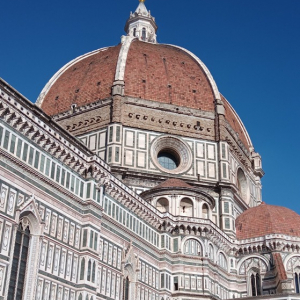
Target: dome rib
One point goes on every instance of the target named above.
(84, 80)
(57, 75)
(239, 127)
(205, 70)
(167, 74)
(122, 59)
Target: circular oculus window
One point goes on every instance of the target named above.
(171, 155)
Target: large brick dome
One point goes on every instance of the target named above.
(157, 72)
(267, 219)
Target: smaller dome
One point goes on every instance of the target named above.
(175, 186)
(267, 219)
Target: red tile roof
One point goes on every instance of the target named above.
(279, 266)
(267, 219)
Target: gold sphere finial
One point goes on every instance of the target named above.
(142, 1)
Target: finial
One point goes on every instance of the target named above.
(141, 24)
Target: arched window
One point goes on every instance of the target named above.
(192, 247)
(242, 185)
(82, 269)
(17, 277)
(162, 205)
(258, 285)
(255, 284)
(211, 252)
(80, 297)
(126, 289)
(144, 34)
(89, 270)
(186, 207)
(87, 297)
(134, 31)
(297, 278)
(222, 261)
(168, 159)
(94, 272)
(205, 211)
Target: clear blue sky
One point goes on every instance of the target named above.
(251, 48)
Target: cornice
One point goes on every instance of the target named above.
(237, 146)
(75, 111)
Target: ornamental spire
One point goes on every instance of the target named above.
(141, 24)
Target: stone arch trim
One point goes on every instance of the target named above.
(222, 252)
(209, 210)
(162, 197)
(30, 211)
(130, 271)
(251, 262)
(193, 201)
(244, 189)
(213, 248)
(291, 262)
(186, 238)
(248, 139)
(254, 271)
(29, 214)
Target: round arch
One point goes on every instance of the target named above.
(163, 204)
(205, 211)
(291, 262)
(186, 238)
(254, 282)
(30, 218)
(255, 258)
(129, 282)
(222, 260)
(290, 257)
(35, 225)
(242, 185)
(211, 252)
(186, 207)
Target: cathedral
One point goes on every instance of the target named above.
(133, 178)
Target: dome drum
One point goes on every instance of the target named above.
(177, 193)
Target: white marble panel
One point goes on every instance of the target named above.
(211, 152)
